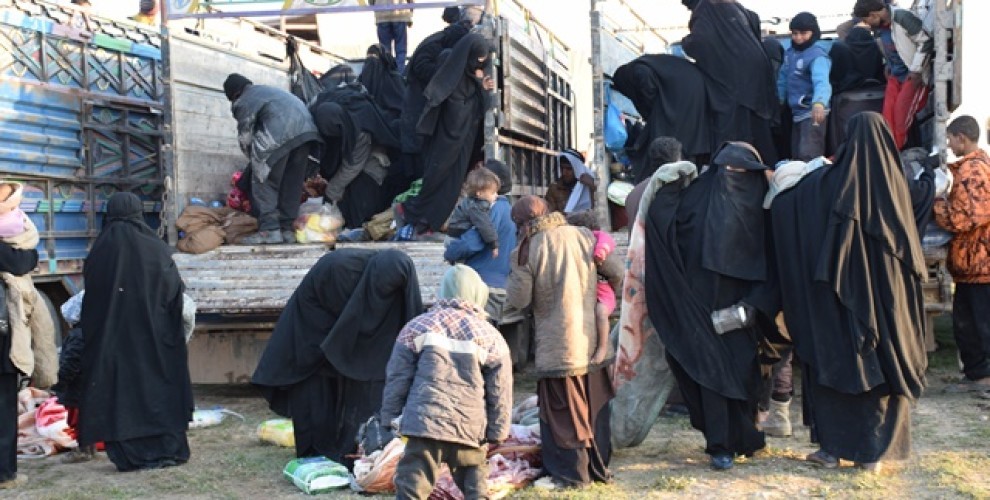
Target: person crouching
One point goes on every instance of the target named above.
(450, 383)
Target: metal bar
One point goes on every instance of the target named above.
(319, 10)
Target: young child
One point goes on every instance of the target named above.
(803, 85)
(474, 210)
(449, 381)
(32, 344)
(604, 246)
(69, 387)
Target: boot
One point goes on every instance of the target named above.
(778, 424)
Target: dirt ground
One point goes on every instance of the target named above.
(951, 458)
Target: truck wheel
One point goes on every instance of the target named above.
(56, 319)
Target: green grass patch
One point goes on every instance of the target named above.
(673, 483)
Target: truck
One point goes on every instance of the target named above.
(617, 42)
(90, 106)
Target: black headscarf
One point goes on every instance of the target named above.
(856, 62)
(669, 92)
(132, 323)
(463, 60)
(381, 77)
(340, 114)
(345, 314)
(504, 174)
(234, 85)
(805, 21)
(726, 46)
(851, 281)
(341, 73)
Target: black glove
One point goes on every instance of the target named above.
(734, 317)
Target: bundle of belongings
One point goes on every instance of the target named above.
(512, 465)
(207, 228)
(42, 425)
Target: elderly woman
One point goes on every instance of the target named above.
(553, 270)
(132, 323)
(325, 363)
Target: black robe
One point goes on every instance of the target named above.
(421, 69)
(857, 62)
(725, 45)
(363, 198)
(705, 250)
(451, 121)
(380, 75)
(137, 391)
(324, 365)
(850, 271)
(669, 92)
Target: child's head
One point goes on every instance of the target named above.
(584, 218)
(963, 134)
(482, 184)
(10, 196)
(872, 12)
(804, 30)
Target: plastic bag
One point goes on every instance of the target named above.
(375, 473)
(615, 130)
(318, 223)
(315, 475)
(277, 431)
(211, 417)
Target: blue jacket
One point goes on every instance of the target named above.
(476, 254)
(804, 80)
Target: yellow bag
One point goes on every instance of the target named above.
(277, 431)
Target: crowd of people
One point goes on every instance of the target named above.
(738, 265)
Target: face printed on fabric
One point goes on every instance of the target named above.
(800, 37)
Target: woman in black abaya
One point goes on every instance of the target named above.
(669, 92)
(705, 251)
(456, 100)
(137, 398)
(851, 292)
(725, 45)
(380, 75)
(324, 366)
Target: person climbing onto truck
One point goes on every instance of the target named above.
(275, 132)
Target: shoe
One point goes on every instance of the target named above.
(873, 467)
(356, 234)
(406, 233)
(778, 423)
(288, 236)
(824, 459)
(263, 238)
(722, 462)
(18, 481)
(79, 455)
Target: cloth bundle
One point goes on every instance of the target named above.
(42, 425)
(207, 228)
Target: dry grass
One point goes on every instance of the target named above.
(950, 460)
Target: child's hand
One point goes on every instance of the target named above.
(599, 356)
(494, 253)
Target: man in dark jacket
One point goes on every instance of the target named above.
(450, 379)
(274, 130)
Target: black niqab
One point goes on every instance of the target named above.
(340, 114)
(132, 323)
(669, 93)
(462, 61)
(380, 75)
(851, 279)
(341, 73)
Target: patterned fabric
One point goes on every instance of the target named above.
(447, 317)
(966, 213)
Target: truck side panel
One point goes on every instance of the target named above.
(81, 117)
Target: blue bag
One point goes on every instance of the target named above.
(615, 130)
